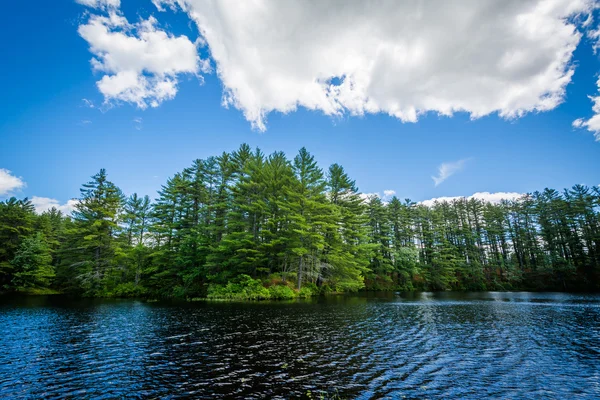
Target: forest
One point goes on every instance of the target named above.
(244, 225)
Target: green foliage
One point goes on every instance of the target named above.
(38, 291)
(128, 289)
(245, 288)
(281, 292)
(16, 223)
(227, 224)
(308, 290)
(33, 263)
(92, 257)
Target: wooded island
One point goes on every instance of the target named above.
(244, 225)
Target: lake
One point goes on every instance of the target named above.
(424, 345)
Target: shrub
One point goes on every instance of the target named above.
(179, 291)
(245, 288)
(128, 289)
(305, 292)
(308, 290)
(325, 289)
(282, 292)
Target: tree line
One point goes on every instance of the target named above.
(247, 225)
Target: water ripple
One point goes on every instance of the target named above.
(500, 345)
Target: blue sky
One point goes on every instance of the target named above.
(53, 141)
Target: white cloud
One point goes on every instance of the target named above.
(9, 183)
(495, 198)
(160, 4)
(447, 169)
(42, 204)
(141, 62)
(385, 197)
(447, 199)
(592, 124)
(368, 196)
(100, 3)
(389, 193)
(400, 58)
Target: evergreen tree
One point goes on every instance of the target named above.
(310, 212)
(243, 222)
(347, 251)
(16, 223)
(33, 263)
(93, 257)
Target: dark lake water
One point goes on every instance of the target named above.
(447, 345)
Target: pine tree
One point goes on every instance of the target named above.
(346, 251)
(16, 223)
(244, 220)
(33, 263)
(94, 252)
(381, 261)
(310, 212)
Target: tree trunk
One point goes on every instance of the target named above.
(300, 272)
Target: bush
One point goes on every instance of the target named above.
(38, 291)
(326, 289)
(128, 289)
(305, 292)
(282, 292)
(308, 290)
(245, 288)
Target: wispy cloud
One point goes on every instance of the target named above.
(88, 103)
(138, 123)
(592, 124)
(9, 183)
(447, 169)
(109, 4)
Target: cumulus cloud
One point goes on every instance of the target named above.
(368, 196)
(42, 204)
(385, 197)
(9, 183)
(389, 193)
(447, 169)
(495, 198)
(141, 62)
(592, 124)
(404, 59)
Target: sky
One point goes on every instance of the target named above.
(421, 100)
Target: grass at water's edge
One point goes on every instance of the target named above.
(37, 292)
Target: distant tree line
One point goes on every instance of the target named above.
(246, 225)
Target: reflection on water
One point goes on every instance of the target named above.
(421, 345)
